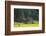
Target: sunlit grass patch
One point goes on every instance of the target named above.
(18, 24)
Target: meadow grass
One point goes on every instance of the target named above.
(18, 24)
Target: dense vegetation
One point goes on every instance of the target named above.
(26, 15)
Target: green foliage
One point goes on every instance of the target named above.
(26, 13)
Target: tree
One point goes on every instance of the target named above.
(26, 15)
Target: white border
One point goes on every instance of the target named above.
(25, 28)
